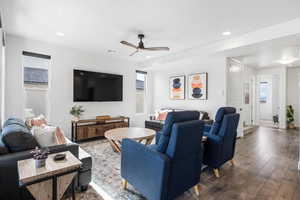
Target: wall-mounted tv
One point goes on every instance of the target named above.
(95, 86)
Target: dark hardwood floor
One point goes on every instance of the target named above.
(265, 167)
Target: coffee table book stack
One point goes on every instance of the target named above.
(49, 182)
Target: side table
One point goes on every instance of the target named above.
(49, 182)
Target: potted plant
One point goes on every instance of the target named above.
(290, 116)
(40, 156)
(76, 111)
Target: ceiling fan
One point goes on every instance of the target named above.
(141, 46)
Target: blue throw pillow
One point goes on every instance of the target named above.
(18, 138)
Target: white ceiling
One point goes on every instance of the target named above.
(99, 25)
(267, 54)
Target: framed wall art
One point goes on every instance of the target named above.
(197, 86)
(177, 87)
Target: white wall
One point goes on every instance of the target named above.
(63, 61)
(293, 91)
(215, 67)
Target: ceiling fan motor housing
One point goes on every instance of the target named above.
(141, 44)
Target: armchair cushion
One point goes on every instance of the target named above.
(219, 118)
(16, 121)
(174, 117)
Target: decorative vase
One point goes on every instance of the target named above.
(40, 163)
(291, 126)
(76, 118)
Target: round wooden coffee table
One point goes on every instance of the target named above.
(115, 136)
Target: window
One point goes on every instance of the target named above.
(36, 83)
(140, 91)
(263, 92)
(35, 68)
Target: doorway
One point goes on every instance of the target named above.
(268, 100)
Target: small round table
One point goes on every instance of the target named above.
(115, 136)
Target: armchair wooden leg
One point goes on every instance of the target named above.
(232, 162)
(197, 189)
(216, 172)
(124, 183)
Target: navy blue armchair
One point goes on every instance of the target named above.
(167, 169)
(221, 139)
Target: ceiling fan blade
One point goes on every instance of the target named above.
(134, 52)
(157, 48)
(128, 44)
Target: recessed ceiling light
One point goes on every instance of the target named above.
(60, 34)
(226, 33)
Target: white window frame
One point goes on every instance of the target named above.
(145, 93)
(47, 89)
(49, 75)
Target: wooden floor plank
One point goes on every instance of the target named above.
(265, 168)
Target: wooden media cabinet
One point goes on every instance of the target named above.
(95, 128)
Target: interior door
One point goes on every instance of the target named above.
(235, 84)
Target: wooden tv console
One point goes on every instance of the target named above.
(95, 128)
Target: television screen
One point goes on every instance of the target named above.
(93, 86)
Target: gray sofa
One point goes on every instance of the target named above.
(157, 125)
(16, 143)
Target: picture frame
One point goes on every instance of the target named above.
(198, 86)
(177, 87)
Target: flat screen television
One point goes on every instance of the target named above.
(94, 86)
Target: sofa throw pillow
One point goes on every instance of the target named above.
(37, 121)
(162, 116)
(44, 135)
(60, 136)
(18, 138)
(14, 120)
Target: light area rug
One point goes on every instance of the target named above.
(106, 172)
(90, 194)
